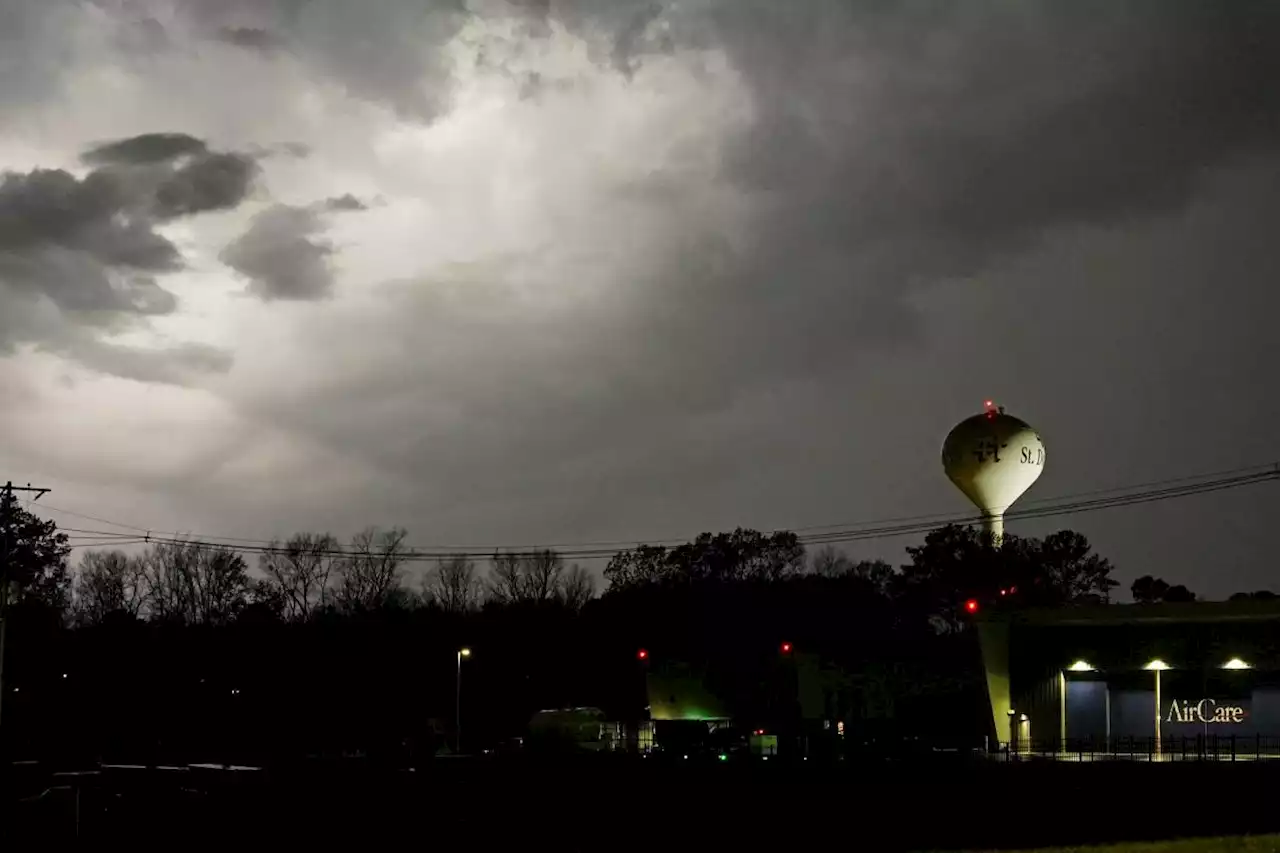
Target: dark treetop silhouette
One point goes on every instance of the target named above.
(183, 649)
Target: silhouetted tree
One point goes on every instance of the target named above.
(954, 564)
(958, 563)
(298, 573)
(1256, 595)
(877, 573)
(505, 582)
(34, 558)
(370, 576)
(1153, 590)
(829, 562)
(533, 578)
(740, 555)
(108, 582)
(1148, 589)
(577, 587)
(195, 583)
(1072, 573)
(452, 585)
(542, 573)
(721, 604)
(644, 564)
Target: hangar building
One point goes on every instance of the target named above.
(1136, 680)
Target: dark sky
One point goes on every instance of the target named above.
(557, 272)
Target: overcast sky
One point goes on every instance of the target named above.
(592, 270)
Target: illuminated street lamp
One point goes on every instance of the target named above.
(457, 699)
(1157, 666)
(1081, 666)
(1236, 663)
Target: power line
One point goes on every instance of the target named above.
(86, 517)
(1108, 498)
(1026, 502)
(1063, 508)
(878, 528)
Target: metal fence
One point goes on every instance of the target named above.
(1198, 748)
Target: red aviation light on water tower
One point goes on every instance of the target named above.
(971, 606)
(643, 654)
(786, 648)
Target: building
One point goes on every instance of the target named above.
(791, 702)
(1141, 680)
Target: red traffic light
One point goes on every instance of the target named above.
(643, 654)
(786, 648)
(971, 606)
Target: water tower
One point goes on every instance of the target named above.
(993, 458)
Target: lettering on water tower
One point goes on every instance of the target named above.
(988, 448)
(1032, 456)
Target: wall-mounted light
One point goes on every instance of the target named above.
(1081, 666)
(1236, 663)
(1157, 665)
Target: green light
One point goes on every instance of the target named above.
(724, 757)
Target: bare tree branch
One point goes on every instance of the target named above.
(505, 582)
(452, 585)
(108, 582)
(542, 573)
(829, 562)
(526, 578)
(195, 583)
(577, 587)
(299, 572)
(371, 575)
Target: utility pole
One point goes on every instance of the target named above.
(6, 501)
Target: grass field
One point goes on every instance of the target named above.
(1239, 844)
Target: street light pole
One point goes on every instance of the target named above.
(457, 703)
(1157, 666)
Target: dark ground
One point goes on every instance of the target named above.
(606, 803)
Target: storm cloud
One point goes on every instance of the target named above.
(282, 255)
(644, 268)
(145, 149)
(90, 244)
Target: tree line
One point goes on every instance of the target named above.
(197, 643)
(307, 575)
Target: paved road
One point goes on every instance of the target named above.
(605, 805)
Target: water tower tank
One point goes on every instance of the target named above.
(993, 458)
